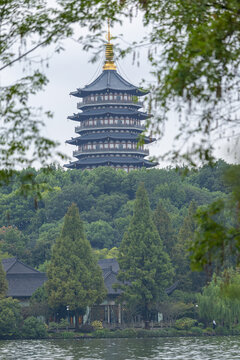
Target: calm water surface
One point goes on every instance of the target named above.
(212, 348)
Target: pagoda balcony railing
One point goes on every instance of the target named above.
(100, 126)
(106, 102)
(112, 151)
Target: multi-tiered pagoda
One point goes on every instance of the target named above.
(110, 123)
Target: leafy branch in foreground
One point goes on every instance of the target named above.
(217, 239)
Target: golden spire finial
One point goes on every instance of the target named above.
(109, 62)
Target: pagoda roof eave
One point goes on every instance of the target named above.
(105, 135)
(110, 160)
(107, 112)
(109, 80)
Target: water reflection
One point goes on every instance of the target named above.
(211, 348)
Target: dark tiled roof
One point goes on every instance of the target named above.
(22, 279)
(109, 80)
(110, 268)
(109, 264)
(107, 112)
(14, 266)
(24, 285)
(100, 161)
(107, 135)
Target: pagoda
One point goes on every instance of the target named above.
(109, 122)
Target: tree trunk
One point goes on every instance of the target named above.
(76, 321)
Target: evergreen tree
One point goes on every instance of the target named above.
(3, 282)
(164, 227)
(145, 268)
(187, 279)
(74, 277)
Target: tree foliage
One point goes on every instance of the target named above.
(10, 318)
(3, 282)
(74, 278)
(216, 302)
(145, 268)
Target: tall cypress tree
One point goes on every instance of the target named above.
(145, 268)
(74, 277)
(164, 227)
(3, 282)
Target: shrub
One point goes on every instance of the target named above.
(196, 331)
(104, 333)
(236, 330)
(68, 335)
(208, 331)
(33, 329)
(64, 324)
(86, 328)
(53, 325)
(97, 325)
(184, 323)
(220, 330)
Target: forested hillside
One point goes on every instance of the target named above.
(105, 197)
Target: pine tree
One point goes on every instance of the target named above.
(145, 268)
(3, 282)
(164, 227)
(74, 277)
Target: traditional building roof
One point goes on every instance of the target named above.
(140, 115)
(110, 268)
(108, 160)
(23, 280)
(108, 81)
(107, 136)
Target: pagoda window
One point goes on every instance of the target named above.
(105, 97)
(105, 145)
(118, 97)
(99, 98)
(111, 145)
(110, 97)
(92, 98)
(111, 121)
(101, 146)
(124, 146)
(125, 97)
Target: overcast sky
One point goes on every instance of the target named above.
(71, 69)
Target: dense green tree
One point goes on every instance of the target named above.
(188, 280)
(74, 277)
(164, 227)
(219, 301)
(10, 318)
(3, 282)
(101, 235)
(145, 268)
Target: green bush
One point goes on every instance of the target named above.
(64, 324)
(208, 331)
(86, 328)
(184, 323)
(104, 333)
(68, 335)
(236, 330)
(196, 331)
(53, 326)
(220, 330)
(33, 329)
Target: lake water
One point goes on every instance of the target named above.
(209, 348)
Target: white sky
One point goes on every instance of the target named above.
(71, 69)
